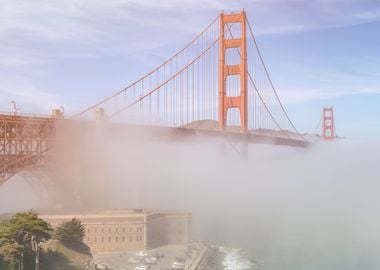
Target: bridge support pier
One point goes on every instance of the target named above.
(234, 147)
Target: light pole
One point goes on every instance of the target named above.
(14, 107)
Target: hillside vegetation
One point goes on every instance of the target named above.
(57, 255)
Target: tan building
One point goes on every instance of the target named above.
(130, 229)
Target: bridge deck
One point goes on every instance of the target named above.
(25, 139)
(169, 133)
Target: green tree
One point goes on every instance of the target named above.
(70, 231)
(10, 250)
(5, 233)
(27, 225)
(10, 253)
(21, 234)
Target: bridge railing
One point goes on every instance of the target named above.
(7, 113)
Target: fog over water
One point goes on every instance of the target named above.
(313, 208)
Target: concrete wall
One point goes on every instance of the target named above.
(131, 230)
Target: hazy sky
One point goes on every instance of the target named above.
(73, 53)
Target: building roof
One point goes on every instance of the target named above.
(113, 213)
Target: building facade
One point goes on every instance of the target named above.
(130, 229)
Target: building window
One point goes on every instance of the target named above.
(88, 230)
(123, 238)
(116, 230)
(116, 239)
(102, 239)
(96, 230)
(109, 229)
(130, 238)
(137, 238)
(88, 239)
(102, 230)
(123, 229)
(130, 229)
(109, 239)
(95, 240)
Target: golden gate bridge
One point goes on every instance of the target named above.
(217, 84)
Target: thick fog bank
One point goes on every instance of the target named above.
(313, 208)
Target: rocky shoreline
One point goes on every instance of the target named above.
(222, 258)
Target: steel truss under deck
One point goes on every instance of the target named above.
(24, 142)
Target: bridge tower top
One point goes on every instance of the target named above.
(226, 70)
(328, 124)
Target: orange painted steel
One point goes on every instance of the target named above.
(225, 70)
(24, 141)
(328, 124)
(181, 95)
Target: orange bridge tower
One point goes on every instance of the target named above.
(225, 70)
(328, 124)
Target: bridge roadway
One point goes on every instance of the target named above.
(177, 133)
(26, 139)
